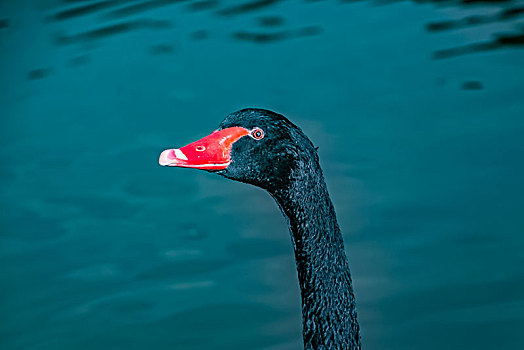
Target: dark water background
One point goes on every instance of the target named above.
(418, 109)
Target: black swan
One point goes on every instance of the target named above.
(265, 149)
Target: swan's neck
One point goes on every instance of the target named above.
(328, 302)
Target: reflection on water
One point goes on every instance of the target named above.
(100, 247)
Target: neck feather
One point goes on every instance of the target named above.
(328, 302)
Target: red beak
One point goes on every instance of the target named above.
(213, 152)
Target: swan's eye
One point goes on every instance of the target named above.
(257, 134)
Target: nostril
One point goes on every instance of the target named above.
(200, 148)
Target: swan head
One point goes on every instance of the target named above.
(254, 146)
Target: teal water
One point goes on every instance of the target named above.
(418, 112)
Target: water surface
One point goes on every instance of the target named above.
(417, 110)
